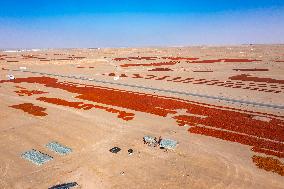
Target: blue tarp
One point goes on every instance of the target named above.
(168, 143)
(36, 157)
(58, 148)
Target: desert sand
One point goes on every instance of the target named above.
(224, 105)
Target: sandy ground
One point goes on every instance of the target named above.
(201, 160)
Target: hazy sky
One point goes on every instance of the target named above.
(123, 23)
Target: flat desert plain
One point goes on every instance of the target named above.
(223, 105)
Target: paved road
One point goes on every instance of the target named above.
(273, 106)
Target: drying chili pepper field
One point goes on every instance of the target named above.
(221, 110)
